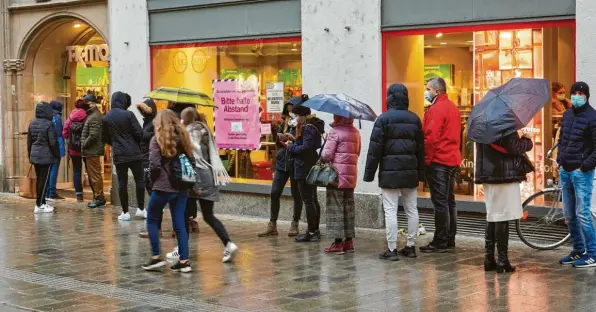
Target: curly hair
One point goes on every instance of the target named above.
(171, 135)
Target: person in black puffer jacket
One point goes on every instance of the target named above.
(397, 149)
(123, 132)
(43, 151)
(149, 110)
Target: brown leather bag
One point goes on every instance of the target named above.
(27, 184)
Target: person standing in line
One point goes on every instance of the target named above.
(558, 100)
(170, 141)
(284, 170)
(92, 149)
(57, 120)
(73, 131)
(397, 149)
(342, 149)
(577, 160)
(43, 151)
(442, 138)
(210, 171)
(309, 132)
(499, 171)
(123, 132)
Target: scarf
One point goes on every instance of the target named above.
(220, 174)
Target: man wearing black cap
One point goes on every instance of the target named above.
(577, 160)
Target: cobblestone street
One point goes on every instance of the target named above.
(83, 260)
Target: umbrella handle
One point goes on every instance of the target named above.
(360, 122)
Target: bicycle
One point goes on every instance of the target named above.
(539, 230)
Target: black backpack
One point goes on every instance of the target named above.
(74, 136)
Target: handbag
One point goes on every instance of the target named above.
(322, 174)
(28, 185)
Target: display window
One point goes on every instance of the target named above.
(475, 59)
(272, 66)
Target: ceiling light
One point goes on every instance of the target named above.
(443, 43)
(439, 35)
(77, 25)
(470, 41)
(294, 49)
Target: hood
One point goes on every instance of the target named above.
(319, 123)
(43, 110)
(78, 114)
(397, 97)
(120, 100)
(148, 108)
(57, 106)
(80, 103)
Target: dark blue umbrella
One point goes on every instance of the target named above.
(341, 105)
(506, 109)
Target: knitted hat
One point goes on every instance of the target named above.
(581, 86)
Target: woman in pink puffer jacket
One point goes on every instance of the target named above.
(342, 150)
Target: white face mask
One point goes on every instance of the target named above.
(293, 122)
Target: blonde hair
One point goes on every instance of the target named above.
(169, 133)
(189, 115)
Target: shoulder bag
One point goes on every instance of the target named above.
(322, 174)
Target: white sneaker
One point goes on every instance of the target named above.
(124, 217)
(229, 252)
(140, 214)
(50, 200)
(145, 214)
(38, 210)
(47, 208)
(174, 255)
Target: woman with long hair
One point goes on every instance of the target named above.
(170, 141)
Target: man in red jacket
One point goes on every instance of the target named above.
(442, 139)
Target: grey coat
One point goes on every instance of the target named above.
(199, 137)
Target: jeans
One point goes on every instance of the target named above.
(53, 180)
(214, 223)
(577, 197)
(137, 171)
(157, 202)
(441, 181)
(280, 179)
(390, 204)
(77, 173)
(42, 172)
(308, 193)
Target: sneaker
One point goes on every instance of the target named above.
(145, 214)
(432, 249)
(174, 254)
(80, 198)
(47, 208)
(409, 252)
(229, 252)
(349, 246)
(335, 248)
(153, 264)
(124, 217)
(50, 200)
(421, 229)
(572, 257)
(584, 262)
(96, 204)
(389, 255)
(181, 267)
(308, 238)
(140, 213)
(38, 210)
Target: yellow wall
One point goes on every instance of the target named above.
(405, 65)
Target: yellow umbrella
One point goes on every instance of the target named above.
(181, 96)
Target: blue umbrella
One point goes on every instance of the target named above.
(341, 105)
(506, 109)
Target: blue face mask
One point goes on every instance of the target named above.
(427, 96)
(578, 100)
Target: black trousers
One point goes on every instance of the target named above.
(137, 171)
(42, 172)
(190, 213)
(214, 223)
(280, 179)
(441, 181)
(308, 193)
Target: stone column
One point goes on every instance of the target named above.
(11, 150)
(585, 15)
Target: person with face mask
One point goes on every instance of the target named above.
(92, 149)
(442, 139)
(577, 159)
(560, 103)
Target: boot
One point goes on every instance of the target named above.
(270, 231)
(293, 229)
(489, 248)
(503, 265)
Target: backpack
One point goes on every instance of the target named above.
(74, 135)
(183, 175)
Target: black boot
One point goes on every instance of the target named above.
(490, 264)
(503, 264)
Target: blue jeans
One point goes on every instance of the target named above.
(53, 179)
(157, 202)
(577, 197)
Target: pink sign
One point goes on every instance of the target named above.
(237, 124)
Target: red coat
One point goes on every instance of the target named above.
(442, 133)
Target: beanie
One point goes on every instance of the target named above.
(581, 86)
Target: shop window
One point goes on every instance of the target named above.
(473, 62)
(275, 62)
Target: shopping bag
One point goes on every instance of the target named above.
(27, 184)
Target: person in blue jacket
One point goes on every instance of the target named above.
(57, 120)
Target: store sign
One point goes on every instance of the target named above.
(275, 97)
(237, 123)
(90, 53)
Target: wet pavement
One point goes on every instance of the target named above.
(83, 260)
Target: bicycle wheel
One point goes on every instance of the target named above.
(543, 225)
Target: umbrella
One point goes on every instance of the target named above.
(342, 105)
(506, 109)
(181, 96)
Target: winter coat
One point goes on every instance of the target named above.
(92, 138)
(77, 116)
(305, 148)
(495, 167)
(122, 130)
(160, 169)
(149, 110)
(284, 159)
(57, 120)
(42, 142)
(442, 133)
(199, 137)
(342, 150)
(577, 141)
(396, 144)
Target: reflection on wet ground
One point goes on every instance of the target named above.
(82, 260)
